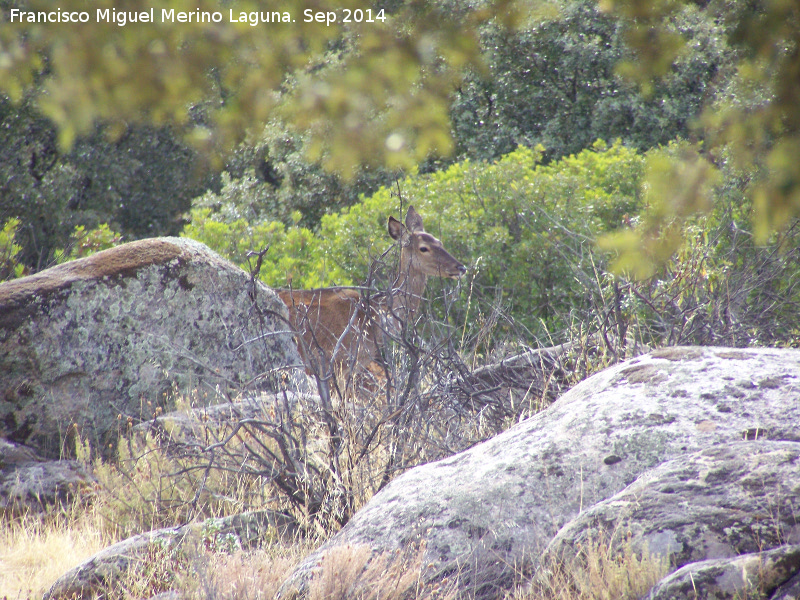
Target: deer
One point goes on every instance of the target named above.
(342, 329)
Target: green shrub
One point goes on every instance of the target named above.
(293, 255)
(527, 230)
(10, 266)
(85, 243)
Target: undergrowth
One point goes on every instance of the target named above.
(598, 572)
(35, 550)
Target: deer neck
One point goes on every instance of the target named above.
(407, 290)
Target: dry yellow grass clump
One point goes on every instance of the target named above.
(598, 573)
(35, 551)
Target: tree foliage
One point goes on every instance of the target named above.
(10, 266)
(381, 92)
(276, 169)
(141, 183)
(755, 123)
(555, 82)
(385, 99)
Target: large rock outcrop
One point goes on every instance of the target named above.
(118, 332)
(486, 515)
(727, 500)
(727, 516)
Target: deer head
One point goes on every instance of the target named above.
(421, 253)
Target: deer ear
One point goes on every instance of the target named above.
(396, 229)
(413, 220)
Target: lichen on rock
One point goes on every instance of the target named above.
(117, 333)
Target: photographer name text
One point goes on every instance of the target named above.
(170, 15)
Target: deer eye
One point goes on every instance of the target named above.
(423, 249)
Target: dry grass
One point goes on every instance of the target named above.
(238, 576)
(34, 552)
(347, 573)
(599, 573)
(354, 572)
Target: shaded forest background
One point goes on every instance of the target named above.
(605, 166)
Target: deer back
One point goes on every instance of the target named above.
(336, 324)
